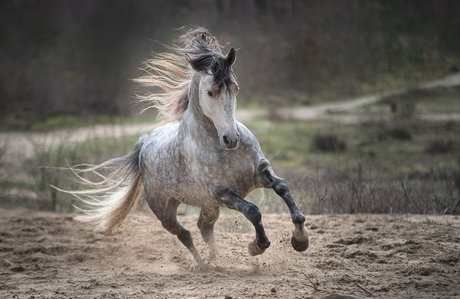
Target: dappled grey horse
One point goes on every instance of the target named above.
(203, 157)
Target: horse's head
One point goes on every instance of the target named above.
(217, 94)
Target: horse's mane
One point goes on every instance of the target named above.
(172, 72)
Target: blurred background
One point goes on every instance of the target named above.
(70, 64)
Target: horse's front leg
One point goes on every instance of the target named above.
(231, 200)
(268, 179)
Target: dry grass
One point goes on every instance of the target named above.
(351, 190)
(356, 191)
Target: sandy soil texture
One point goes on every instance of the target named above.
(45, 255)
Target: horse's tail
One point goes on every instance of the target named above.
(111, 200)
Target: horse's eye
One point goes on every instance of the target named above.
(210, 93)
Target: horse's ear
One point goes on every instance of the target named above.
(231, 57)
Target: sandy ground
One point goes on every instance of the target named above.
(45, 255)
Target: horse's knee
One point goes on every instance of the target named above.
(170, 226)
(280, 187)
(177, 229)
(207, 219)
(253, 214)
(206, 229)
(185, 237)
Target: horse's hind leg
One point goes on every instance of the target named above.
(206, 225)
(267, 177)
(168, 217)
(250, 211)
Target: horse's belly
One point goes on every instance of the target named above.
(200, 201)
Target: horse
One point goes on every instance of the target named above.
(201, 157)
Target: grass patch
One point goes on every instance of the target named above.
(30, 184)
(59, 122)
(394, 161)
(371, 142)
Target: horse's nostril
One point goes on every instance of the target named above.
(226, 141)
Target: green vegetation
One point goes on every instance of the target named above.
(71, 65)
(59, 122)
(374, 134)
(290, 144)
(26, 181)
(400, 161)
(401, 156)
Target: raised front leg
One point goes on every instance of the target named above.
(268, 179)
(231, 200)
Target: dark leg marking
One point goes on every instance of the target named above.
(268, 179)
(250, 211)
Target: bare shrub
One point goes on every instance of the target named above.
(452, 195)
(441, 147)
(49, 155)
(3, 176)
(3, 149)
(409, 110)
(400, 134)
(328, 143)
(356, 191)
(53, 161)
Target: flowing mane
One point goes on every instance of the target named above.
(171, 72)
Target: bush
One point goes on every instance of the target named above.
(328, 143)
(356, 190)
(440, 147)
(400, 134)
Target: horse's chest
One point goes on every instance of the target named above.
(226, 170)
(236, 172)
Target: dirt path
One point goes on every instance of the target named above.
(45, 255)
(314, 112)
(26, 142)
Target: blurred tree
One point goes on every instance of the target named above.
(77, 57)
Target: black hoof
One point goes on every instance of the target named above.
(299, 246)
(254, 250)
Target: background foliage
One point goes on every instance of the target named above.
(70, 64)
(78, 57)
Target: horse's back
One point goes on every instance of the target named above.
(158, 144)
